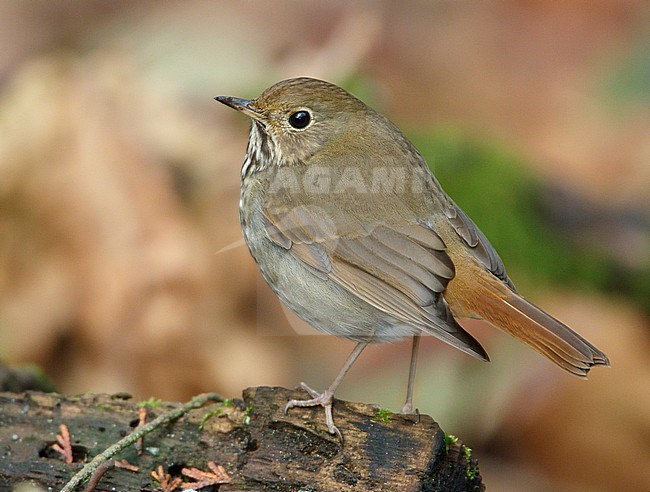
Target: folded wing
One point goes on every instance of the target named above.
(400, 270)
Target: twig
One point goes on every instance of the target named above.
(98, 474)
(103, 468)
(89, 469)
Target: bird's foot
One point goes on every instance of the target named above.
(323, 399)
(408, 409)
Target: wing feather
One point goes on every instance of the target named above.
(401, 271)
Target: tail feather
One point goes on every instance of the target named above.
(571, 346)
(493, 301)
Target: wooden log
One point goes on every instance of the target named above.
(259, 446)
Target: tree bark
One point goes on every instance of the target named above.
(259, 446)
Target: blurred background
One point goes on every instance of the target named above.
(121, 261)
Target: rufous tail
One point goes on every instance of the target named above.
(487, 297)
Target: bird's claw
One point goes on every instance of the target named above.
(408, 409)
(323, 399)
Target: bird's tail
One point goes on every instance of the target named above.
(490, 299)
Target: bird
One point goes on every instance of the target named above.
(353, 232)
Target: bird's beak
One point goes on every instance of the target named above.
(244, 105)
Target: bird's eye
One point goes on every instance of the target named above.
(300, 119)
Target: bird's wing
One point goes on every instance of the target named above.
(400, 270)
(475, 240)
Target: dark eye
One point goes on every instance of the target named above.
(300, 119)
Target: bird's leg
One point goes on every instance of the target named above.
(408, 405)
(324, 399)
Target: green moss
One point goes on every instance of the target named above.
(383, 415)
(449, 440)
(472, 470)
(246, 419)
(208, 416)
(467, 451)
(150, 403)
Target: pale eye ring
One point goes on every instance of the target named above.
(300, 119)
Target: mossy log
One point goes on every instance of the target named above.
(259, 446)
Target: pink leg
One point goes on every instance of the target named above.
(324, 399)
(408, 405)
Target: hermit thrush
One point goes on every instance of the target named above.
(355, 235)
